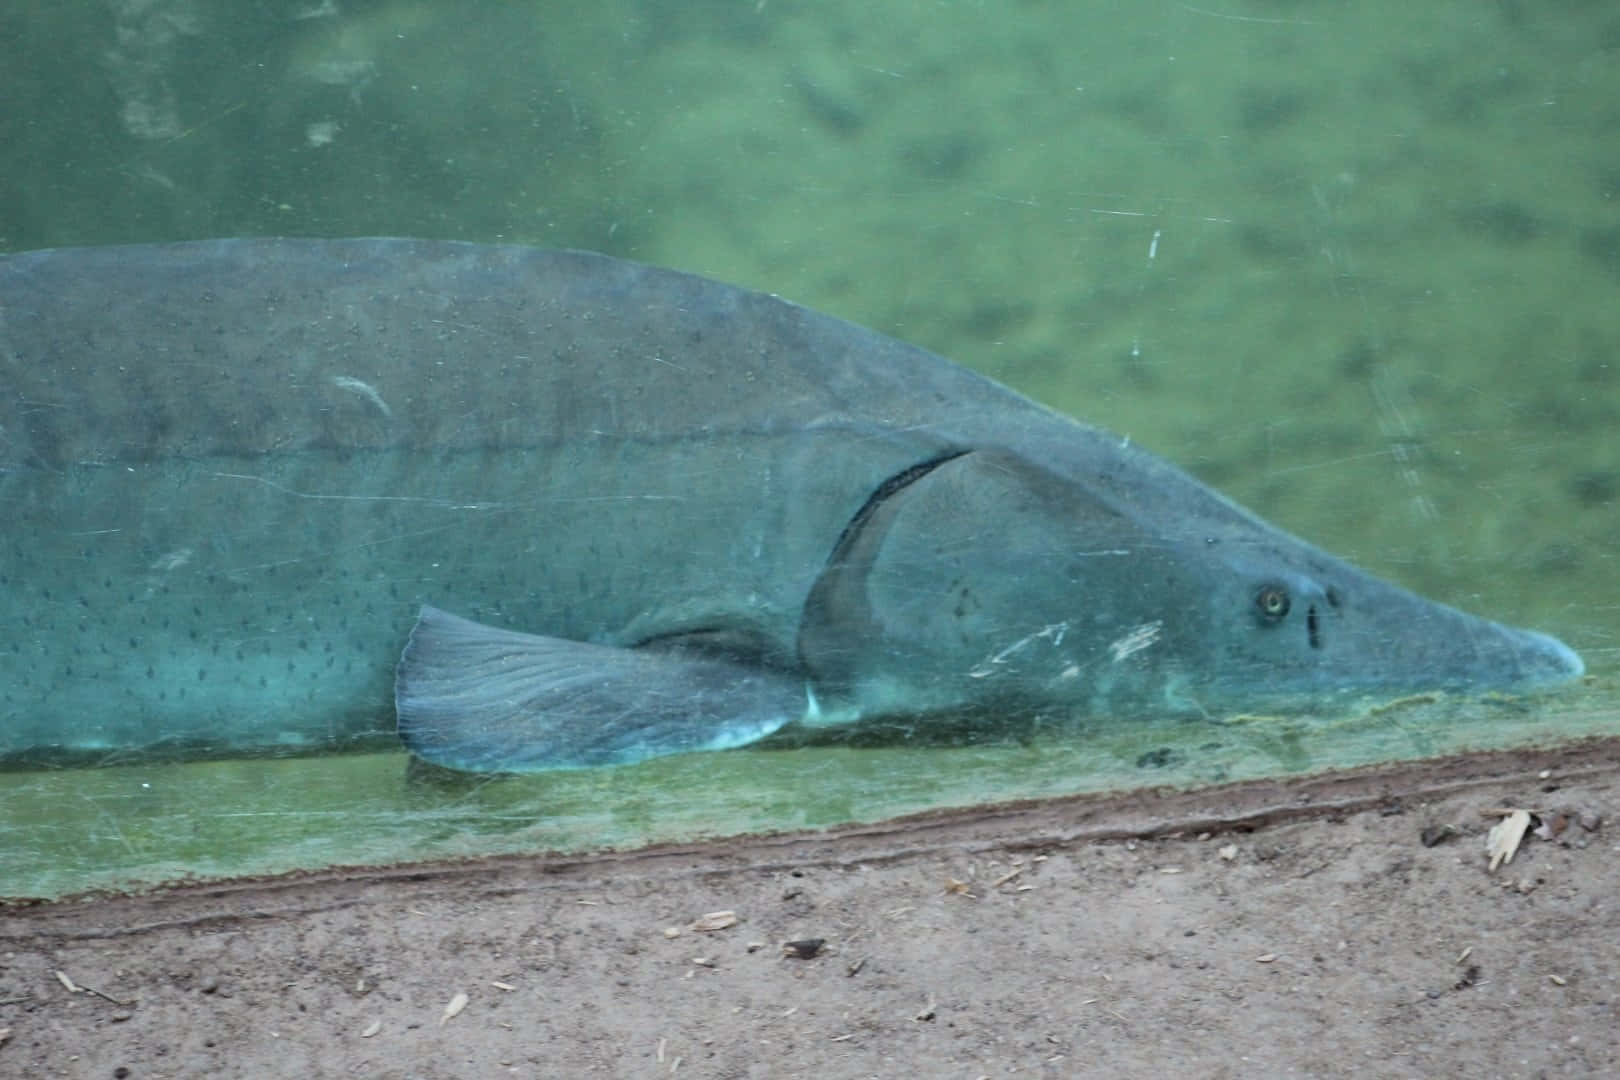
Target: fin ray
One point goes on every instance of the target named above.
(482, 699)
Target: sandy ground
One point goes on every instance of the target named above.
(1287, 928)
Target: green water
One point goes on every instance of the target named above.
(1357, 265)
(76, 829)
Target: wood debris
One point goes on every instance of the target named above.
(714, 920)
(74, 988)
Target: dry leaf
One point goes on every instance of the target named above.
(1552, 826)
(1503, 841)
(453, 1008)
(715, 920)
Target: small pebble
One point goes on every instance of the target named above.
(805, 948)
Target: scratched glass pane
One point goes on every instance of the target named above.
(351, 552)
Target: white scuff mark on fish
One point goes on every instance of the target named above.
(1052, 632)
(1142, 637)
(365, 390)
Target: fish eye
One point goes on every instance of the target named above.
(1271, 601)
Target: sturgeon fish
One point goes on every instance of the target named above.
(246, 481)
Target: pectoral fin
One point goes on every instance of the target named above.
(482, 699)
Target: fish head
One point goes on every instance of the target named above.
(1293, 624)
(989, 580)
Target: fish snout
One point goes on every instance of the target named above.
(1548, 660)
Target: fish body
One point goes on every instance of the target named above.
(246, 483)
